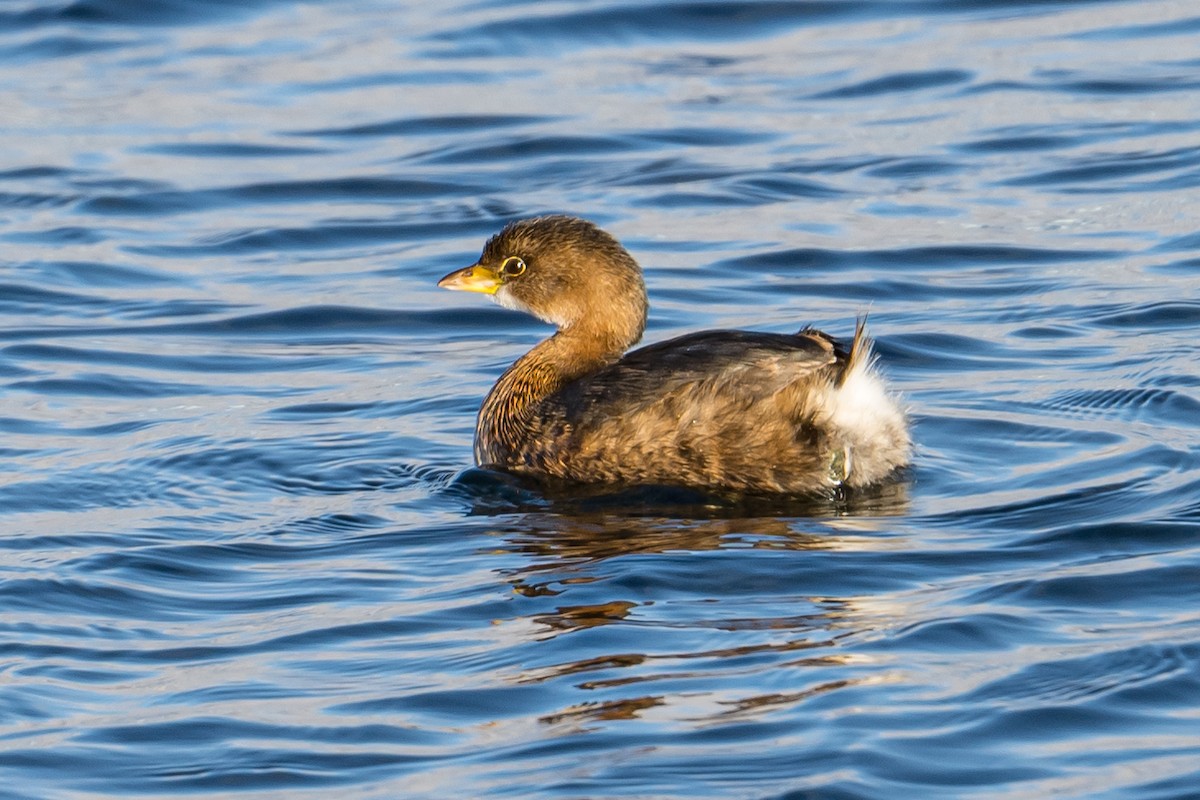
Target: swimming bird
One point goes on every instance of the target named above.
(722, 410)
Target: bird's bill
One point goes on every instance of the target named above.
(474, 278)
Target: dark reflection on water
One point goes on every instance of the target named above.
(492, 493)
(245, 552)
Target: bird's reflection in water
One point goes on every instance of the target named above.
(618, 576)
(487, 492)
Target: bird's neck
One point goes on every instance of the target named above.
(509, 412)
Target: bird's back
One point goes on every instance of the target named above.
(738, 410)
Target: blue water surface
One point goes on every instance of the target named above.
(244, 553)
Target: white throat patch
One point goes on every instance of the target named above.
(503, 297)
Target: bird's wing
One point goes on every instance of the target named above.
(721, 363)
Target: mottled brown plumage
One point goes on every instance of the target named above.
(725, 410)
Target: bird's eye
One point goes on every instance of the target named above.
(512, 267)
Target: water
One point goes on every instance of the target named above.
(244, 554)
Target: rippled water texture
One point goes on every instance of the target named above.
(243, 550)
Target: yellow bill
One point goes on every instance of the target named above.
(474, 278)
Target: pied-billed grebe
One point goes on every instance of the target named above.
(726, 410)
